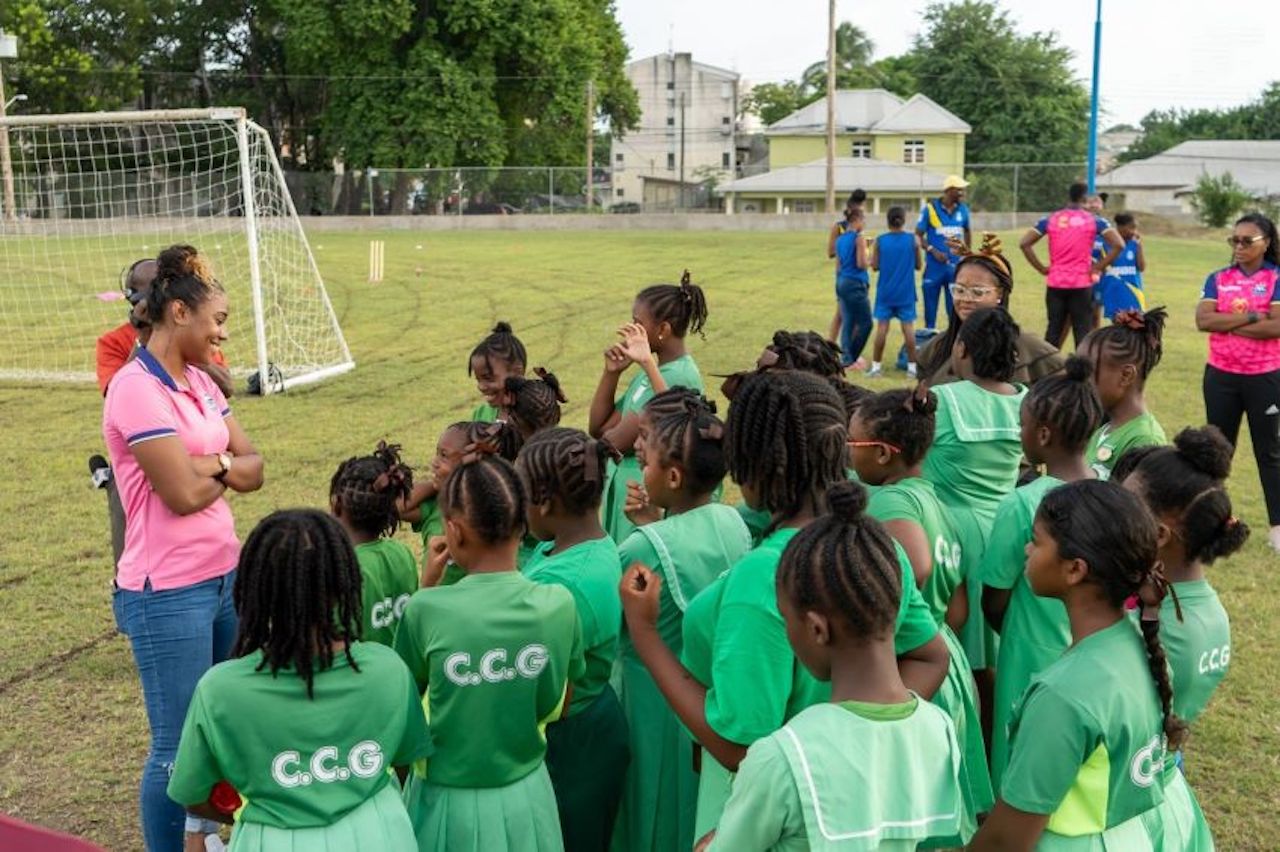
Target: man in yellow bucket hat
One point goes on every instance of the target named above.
(941, 219)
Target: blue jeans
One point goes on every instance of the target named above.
(177, 635)
(855, 317)
(937, 282)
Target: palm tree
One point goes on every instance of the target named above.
(853, 52)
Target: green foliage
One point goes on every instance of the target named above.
(1218, 199)
(775, 101)
(1162, 129)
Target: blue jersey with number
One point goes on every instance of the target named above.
(1122, 284)
(896, 257)
(938, 226)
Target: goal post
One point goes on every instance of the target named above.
(94, 192)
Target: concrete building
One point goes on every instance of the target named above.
(1164, 183)
(679, 100)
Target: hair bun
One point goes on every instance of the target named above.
(1206, 449)
(502, 327)
(847, 500)
(1078, 368)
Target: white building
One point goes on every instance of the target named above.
(688, 126)
(1164, 183)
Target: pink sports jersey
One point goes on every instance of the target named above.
(1237, 293)
(1071, 233)
(143, 404)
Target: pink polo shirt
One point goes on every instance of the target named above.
(1233, 292)
(1071, 232)
(143, 404)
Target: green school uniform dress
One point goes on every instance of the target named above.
(848, 776)
(914, 499)
(493, 653)
(1035, 631)
(1198, 647)
(485, 413)
(682, 372)
(587, 751)
(389, 577)
(1087, 750)
(1108, 444)
(973, 464)
(660, 796)
(314, 771)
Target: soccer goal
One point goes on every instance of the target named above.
(87, 194)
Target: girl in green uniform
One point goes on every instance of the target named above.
(1058, 416)
(681, 455)
(498, 356)
(493, 653)
(533, 404)
(785, 445)
(363, 495)
(304, 721)
(889, 436)
(1124, 354)
(587, 750)
(654, 341)
(1184, 486)
(1091, 736)
(806, 786)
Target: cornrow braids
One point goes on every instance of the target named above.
(990, 337)
(499, 437)
(687, 432)
(501, 345)
(297, 592)
(683, 306)
(903, 419)
(485, 490)
(567, 465)
(1068, 403)
(367, 487)
(534, 404)
(1132, 338)
(803, 350)
(844, 566)
(785, 437)
(182, 275)
(851, 395)
(1080, 517)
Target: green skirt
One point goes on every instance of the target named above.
(660, 796)
(612, 517)
(520, 817)
(958, 697)
(715, 783)
(380, 823)
(980, 642)
(587, 756)
(1175, 825)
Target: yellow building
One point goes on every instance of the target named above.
(897, 151)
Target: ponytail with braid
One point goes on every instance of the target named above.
(567, 465)
(365, 490)
(1067, 402)
(1133, 337)
(534, 404)
(682, 306)
(486, 492)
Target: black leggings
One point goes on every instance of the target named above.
(1230, 396)
(1062, 304)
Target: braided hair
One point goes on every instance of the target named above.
(365, 490)
(297, 592)
(1068, 403)
(990, 337)
(501, 345)
(1133, 337)
(1081, 519)
(567, 465)
(686, 431)
(785, 436)
(803, 350)
(498, 438)
(1188, 481)
(485, 491)
(182, 275)
(903, 419)
(844, 566)
(534, 404)
(683, 306)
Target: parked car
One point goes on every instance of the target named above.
(625, 207)
(489, 208)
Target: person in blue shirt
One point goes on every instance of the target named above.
(852, 286)
(941, 219)
(857, 199)
(1096, 204)
(896, 256)
(1121, 284)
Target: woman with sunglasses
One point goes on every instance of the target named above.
(1242, 378)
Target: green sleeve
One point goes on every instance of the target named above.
(406, 642)
(195, 769)
(636, 548)
(890, 504)
(752, 665)
(1045, 762)
(1006, 556)
(915, 625)
(577, 653)
(686, 376)
(416, 740)
(764, 805)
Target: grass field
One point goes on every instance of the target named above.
(72, 729)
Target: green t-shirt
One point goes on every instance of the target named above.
(300, 762)
(914, 499)
(1198, 647)
(757, 521)
(485, 413)
(590, 571)
(389, 576)
(977, 446)
(1108, 444)
(493, 653)
(1087, 738)
(682, 372)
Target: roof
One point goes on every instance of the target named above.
(697, 66)
(871, 175)
(1255, 164)
(871, 111)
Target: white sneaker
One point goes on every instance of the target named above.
(911, 370)
(876, 370)
(1274, 538)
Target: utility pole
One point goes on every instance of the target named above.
(8, 50)
(831, 106)
(1093, 102)
(591, 136)
(682, 150)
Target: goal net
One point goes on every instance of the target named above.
(86, 195)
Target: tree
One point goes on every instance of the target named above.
(1218, 199)
(775, 101)
(853, 51)
(1162, 129)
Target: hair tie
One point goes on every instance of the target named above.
(1233, 522)
(485, 445)
(1130, 319)
(732, 384)
(768, 358)
(713, 431)
(1151, 593)
(381, 482)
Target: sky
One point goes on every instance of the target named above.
(1156, 54)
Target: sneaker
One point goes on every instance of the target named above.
(1274, 538)
(911, 370)
(876, 370)
(99, 471)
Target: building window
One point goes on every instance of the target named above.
(671, 121)
(803, 206)
(726, 120)
(671, 85)
(913, 151)
(617, 158)
(725, 160)
(671, 162)
(620, 192)
(860, 150)
(726, 90)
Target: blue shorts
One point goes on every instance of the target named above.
(903, 313)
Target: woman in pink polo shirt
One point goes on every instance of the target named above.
(1238, 309)
(176, 449)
